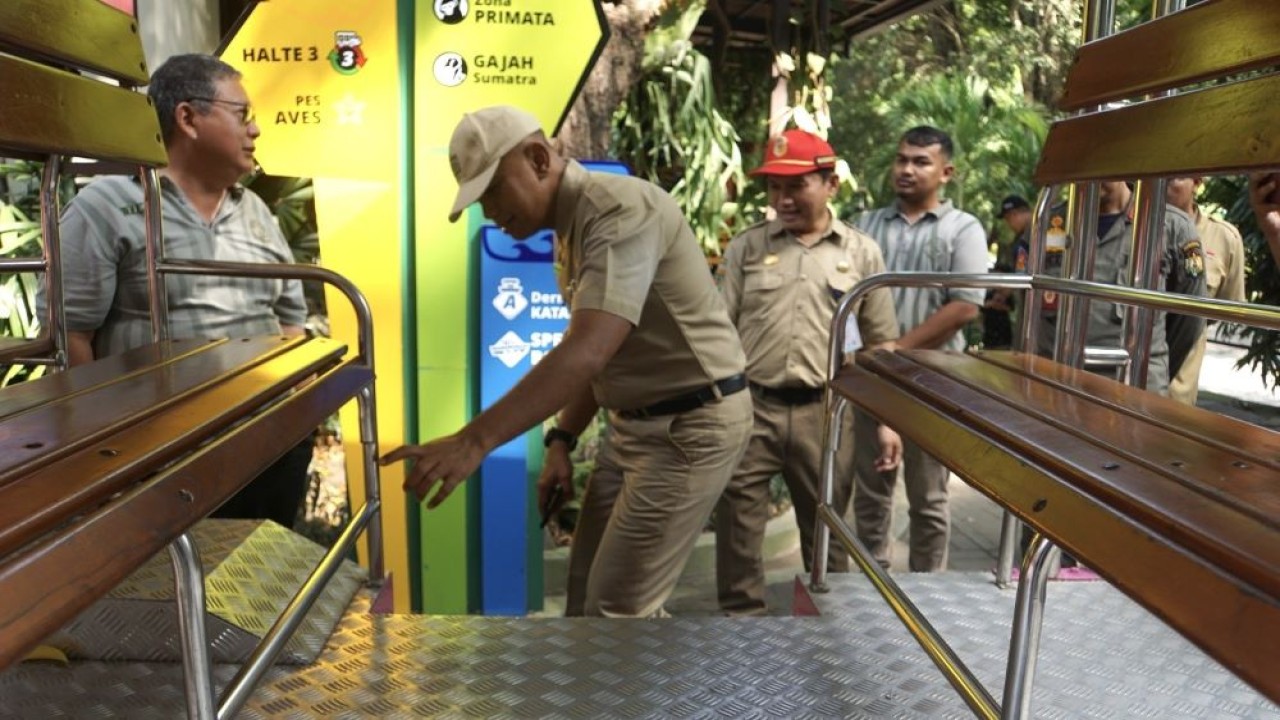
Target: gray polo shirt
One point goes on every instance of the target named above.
(942, 240)
(105, 269)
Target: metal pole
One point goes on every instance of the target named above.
(1028, 619)
(956, 672)
(241, 687)
(1030, 330)
(1144, 256)
(197, 671)
(1009, 529)
(56, 310)
(1073, 315)
(153, 218)
(372, 478)
(836, 407)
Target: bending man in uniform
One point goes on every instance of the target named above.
(209, 133)
(920, 231)
(648, 339)
(1223, 250)
(781, 280)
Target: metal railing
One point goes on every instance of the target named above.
(1042, 556)
(368, 518)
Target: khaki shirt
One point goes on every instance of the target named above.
(1223, 257)
(782, 295)
(623, 247)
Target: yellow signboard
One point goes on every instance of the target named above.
(533, 54)
(324, 80)
(471, 54)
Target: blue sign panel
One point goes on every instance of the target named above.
(522, 317)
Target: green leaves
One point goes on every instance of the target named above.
(670, 131)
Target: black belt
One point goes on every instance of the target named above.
(790, 395)
(691, 400)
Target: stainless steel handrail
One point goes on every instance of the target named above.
(369, 517)
(1026, 621)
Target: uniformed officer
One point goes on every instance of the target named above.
(1223, 250)
(1182, 271)
(781, 281)
(648, 339)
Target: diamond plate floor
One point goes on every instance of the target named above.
(1102, 657)
(1101, 654)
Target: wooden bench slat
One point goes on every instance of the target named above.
(1205, 468)
(1228, 534)
(12, 349)
(1225, 129)
(44, 498)
(47, 111)
(82, 33)
(24, 396)
(1257, 444)
(1204, 41)
(49, 583)
(1243, 629)
(42, 434)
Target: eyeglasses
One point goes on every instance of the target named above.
(245, 109)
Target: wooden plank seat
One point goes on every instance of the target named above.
(107, 463)
(15, 349)
(1176, 506)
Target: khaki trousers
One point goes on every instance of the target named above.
(926, 485)
(654, 485)
(1185, 387)
(786, 439)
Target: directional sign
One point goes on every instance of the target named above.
(470, 54)
(533, 54)
(324, 81)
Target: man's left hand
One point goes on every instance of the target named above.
(448, 461)
(890, 449)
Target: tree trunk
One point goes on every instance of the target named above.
(587, 128)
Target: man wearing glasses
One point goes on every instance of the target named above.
(209, 132)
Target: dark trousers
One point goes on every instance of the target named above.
(277, 493)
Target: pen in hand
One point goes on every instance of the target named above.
(553, 502)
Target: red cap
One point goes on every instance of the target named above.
(796, 152)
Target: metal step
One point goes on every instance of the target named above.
(856, 661)
(252, 569)
(1101, 654)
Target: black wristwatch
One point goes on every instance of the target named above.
(564, 436)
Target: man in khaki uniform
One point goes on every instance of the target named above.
(648, 339)
(781, 281)
(1223, 273)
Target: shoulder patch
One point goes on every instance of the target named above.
(1192, 258)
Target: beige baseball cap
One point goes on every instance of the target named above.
(479, 143)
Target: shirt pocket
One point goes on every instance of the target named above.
(840, 283)
(759, 278)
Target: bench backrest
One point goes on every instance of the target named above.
(1225, 128)
(48, 107)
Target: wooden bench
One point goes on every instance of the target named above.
(106, 464)
(1177, 507)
